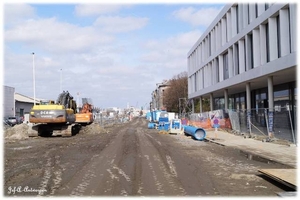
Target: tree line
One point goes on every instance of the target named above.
(176, 96)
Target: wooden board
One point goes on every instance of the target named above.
(287, 177)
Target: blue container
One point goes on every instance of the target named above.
(154, 116)
(196, 133)
(151, 125)
(176, 124)
(164, 126)
(167, 126)
(148, 116)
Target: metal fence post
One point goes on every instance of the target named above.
(291, 123)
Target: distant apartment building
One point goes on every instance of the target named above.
(158, 95)
(246, 58)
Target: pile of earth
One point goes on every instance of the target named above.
(93, 129)
(17, 132)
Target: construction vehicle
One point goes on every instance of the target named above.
(54, 119)
(85, 114)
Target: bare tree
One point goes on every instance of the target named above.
(178, 89)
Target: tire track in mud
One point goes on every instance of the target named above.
(126, 164)
(52, 174)
(89, 174)
(162, 166)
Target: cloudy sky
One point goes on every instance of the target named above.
(112, 53)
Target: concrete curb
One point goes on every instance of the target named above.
(251, 154)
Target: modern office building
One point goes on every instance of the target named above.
(246, 59)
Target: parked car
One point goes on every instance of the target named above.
(11, 121)
(20, 120)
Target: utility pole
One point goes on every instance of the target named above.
(33, 76)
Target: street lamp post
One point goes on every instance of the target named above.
(33, 74)
(60, 80)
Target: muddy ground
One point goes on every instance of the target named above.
(129, 160)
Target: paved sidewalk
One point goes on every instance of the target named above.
(280, 153)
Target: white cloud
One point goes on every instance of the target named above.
(172, 51)
(95, 61)
(54, 36)
(96, 9)
(118, 24)
(166, 58)
(201, 17)
(15, 13)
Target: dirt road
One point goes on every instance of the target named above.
(130, 160)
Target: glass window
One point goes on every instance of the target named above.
(282, 99)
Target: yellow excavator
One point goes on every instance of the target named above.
(54, 119)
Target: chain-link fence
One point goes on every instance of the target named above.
(105, 120)
(279, 123)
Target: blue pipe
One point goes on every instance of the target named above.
(196, 133)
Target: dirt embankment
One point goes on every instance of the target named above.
(93, 129)
(20, 131)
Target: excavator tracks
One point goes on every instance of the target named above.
(48, 130)
(33, 131)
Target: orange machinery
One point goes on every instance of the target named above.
(85, 114)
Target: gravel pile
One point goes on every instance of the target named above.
(92, 129)
(18, 132)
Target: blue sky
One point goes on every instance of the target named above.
(112, 53)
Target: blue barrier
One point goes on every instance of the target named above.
(196, 133)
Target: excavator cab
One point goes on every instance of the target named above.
(47, 102)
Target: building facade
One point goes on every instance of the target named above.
(246, 59)
(23, 104)
(158, 96)
(8, 101)
(15, 104)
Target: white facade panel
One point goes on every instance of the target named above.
(252, 12)
(293, 27)
(221, 77)
(240, 8)
(260, 8)
(233, 21)
(245, 15)
(230, 62)
(273, 44)
(263, 44)
(284, 32)
(242, 61)
(224, 31)
(256, 48)
(229, 26)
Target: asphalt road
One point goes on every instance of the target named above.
(131, 160)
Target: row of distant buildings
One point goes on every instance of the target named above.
(17, 105)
